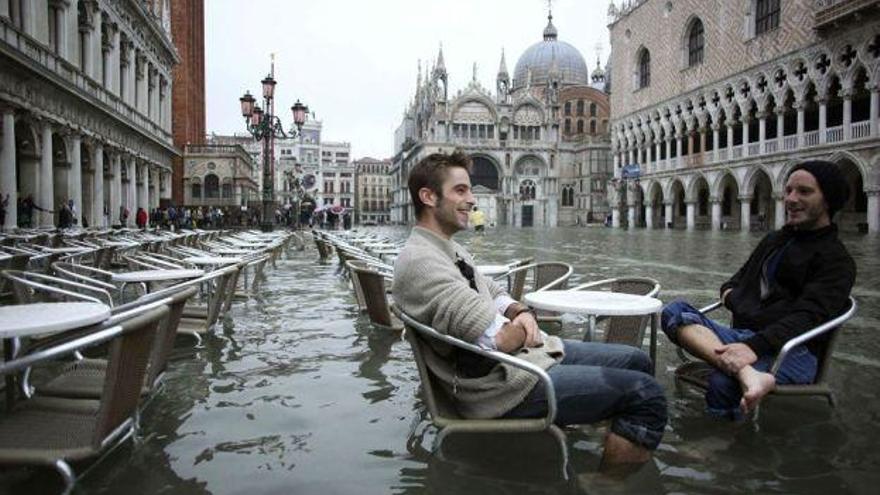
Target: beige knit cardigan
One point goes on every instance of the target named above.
(429, 287)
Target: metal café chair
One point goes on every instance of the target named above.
(628, 330)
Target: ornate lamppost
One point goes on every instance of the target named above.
(265, 126)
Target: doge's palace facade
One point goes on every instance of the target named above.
(85, 99)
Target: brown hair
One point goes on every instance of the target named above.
(430, 172)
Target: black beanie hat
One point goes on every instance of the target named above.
(831, 181)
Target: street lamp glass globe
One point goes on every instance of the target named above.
(247, 104)
(299, 113)
(257, 116)
(269, 87)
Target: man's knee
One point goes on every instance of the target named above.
(644, 421)
(639, 360)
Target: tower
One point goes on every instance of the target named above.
(502, 84)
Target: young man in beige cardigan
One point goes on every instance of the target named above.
(435, 283)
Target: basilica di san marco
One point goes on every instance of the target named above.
(539, 144)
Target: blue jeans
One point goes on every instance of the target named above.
(603, 381)
(724, 393)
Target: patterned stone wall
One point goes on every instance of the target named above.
(730, 48)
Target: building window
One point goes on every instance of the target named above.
(592, 127)
(568, 196)
(568, 108)
(580, 126)
(227, 190)
(592, 109)
(580, 107)
(644, 74)
(212, 186)
(695, 43)
(766, 16)
(196, 191)
(527, 190)
(567, 126)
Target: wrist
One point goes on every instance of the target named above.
(517, 309)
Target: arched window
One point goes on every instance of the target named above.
(227, 189)
(592, 109)
(568, 196)
(644, 74)
(212, 186)
(592, 127)
(580, 126)
(766, 16)
(196, 190)
(567, 126)
(695, 43)
(580, 107)
(568, 108)
(527, 190)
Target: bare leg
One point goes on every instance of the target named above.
(701, 342)
(755, 384)
(620, 451)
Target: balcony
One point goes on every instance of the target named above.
(830, 14)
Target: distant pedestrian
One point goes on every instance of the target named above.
(141, 218)
(65, 217)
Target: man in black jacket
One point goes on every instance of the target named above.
(797, 278)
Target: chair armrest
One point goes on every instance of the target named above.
(514, 361)
(812, 334)
(712, 307)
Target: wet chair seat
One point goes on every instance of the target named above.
(372, 289)
(697, 372)
(441, 406)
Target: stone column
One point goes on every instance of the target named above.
(679, 154)
(691, 214)
(657, 150)
(669, 153)
(46, 197)
(762, 131)
(690, 144)
(8, 180)
(873, 211)
(745, 127)
(745, 212)
(115, 188)
(780, 127)
(631, 216)
(716, 140)
(702, 132)
(730, 124)
(800, 106)
(97, 219)
(4, 9)
(669, 215)
(649, 216)
(615, 217)
(875, 112)
(75, 186)
(847, 95)
(131, 202)
(716, 213)
(823, 120)
(779, 202)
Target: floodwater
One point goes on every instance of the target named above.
(298, 394)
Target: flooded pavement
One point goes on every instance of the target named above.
(298, 394)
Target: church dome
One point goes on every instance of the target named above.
(541, 57)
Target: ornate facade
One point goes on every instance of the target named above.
(85, 98)
(539, 144)
(715, 101)
(219, 175)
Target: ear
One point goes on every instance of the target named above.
(428, 197)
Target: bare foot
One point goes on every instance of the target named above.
(755, 385)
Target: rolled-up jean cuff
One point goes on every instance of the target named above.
(638, 434)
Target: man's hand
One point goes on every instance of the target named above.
(511, 337)
(533, 333)
(734, 357)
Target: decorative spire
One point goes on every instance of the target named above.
(550, 32)
(441, 66)
(419, 80)
(502, 68)
(475, 72)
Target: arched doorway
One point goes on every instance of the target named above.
(703, 211)
(484, 173)
(679, 209)
(658, 212)
(763, 209)
(27, 170)
(730, 204)
(854, 215)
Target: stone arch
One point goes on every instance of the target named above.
(654, 199)
(27, 167)
(475, 99)
(676, 196)
(700, 194)
(530, 165)
(760, 188)
(486, 171)
(727, 191)
(211, 186)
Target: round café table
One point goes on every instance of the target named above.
(24, 320)
(212, 260)
(599, 303)
(146, 276)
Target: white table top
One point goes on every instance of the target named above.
(156, 275)
(65, 249)
(232, 251)
(212, 260)
(490, 270)
(593, 302)
(31, 319)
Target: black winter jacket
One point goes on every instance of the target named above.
(811, 286)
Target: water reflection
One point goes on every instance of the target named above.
(299, 394)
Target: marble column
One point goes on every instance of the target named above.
(716, 140)
(669, 153)
(97, 219)
(762, 131)
(657, 152)
(115, 188)
(801, 125)
(745, 213)
(745, 127)
(730, 124)
(145, 190)
(875, 111)
(131, 198)
(649, 216)
(691, 214)
(873, 211)
(823, 121)
(716, 214)
(615, 217)
(779, 202)
(847, 113)
(8, 181)
(780, 127)
(631, 216)
(75, 186)
(46, 197)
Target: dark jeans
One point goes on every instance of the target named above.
(603, 381)
(724, 393)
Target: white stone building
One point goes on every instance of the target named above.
(337, 175)
(715, 101)
(85, 99)
(219, 175)
(539, 144)
(372, 191)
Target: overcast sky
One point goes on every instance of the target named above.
(355, 62)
